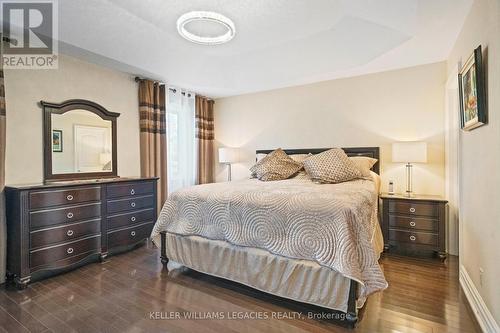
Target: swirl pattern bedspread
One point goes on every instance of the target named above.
(331, 224)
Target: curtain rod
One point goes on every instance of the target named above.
(137, 79)
(9, 40)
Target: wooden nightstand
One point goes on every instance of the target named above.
(414, 225)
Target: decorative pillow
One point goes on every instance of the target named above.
(332, 166)
(260, 156)
(300, 157)
(364, 164)
(277, 165)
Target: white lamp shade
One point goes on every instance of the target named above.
(409, 152)
(228, 155)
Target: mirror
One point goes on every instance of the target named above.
(79, 141)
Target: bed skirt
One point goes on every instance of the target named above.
(299, 280)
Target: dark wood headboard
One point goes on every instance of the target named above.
(373, 152)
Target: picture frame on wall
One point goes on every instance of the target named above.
(472, 91)
(57, 141)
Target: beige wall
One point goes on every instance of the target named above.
(114, 90)
(369, 110)
(480, 159)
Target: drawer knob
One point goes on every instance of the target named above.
(413, 224)
(133, 219)
(132, 234)
(69, 197)
(412, 210)
(132, 204)
(69, 215)
(413, 238)
(132, 192)
(69, 250)
(70, 233)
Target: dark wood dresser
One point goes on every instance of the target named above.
(58, 226)
(414, 225)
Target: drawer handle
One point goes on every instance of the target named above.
(132, 234)
(412, 210)
(69, 197)
(132, 204)
(413, 238)
(69, 215)
(69, 250)
(70, 233)
(133, 219)
(132, 192)
(413, 224)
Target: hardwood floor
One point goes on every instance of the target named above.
(120, 294)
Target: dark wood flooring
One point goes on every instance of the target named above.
(118, 296)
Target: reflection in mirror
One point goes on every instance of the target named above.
(81, 142)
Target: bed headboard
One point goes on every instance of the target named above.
(373, 152)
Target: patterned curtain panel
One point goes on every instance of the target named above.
(205, 140)
(3, 232)
(152, 119)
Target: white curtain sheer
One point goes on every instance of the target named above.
(181, 153)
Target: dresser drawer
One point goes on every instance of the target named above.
(69, 214)
(423, 238)
(413, 208)
(130, 235)
(123, 205)
(128, 219)
(46, 199)
(130, 189)
(51, 254)
(50, 236)
(410, 222)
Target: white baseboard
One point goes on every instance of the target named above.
(483, 314)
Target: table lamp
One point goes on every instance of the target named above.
(409, 152)
(228, 156)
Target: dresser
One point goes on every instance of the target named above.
(414, 225)
(59, 226)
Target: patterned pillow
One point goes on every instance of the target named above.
(332, 166)
(277, 165)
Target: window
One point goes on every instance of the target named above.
(181, 152)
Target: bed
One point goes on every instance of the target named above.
(317, 244)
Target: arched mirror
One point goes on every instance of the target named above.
(79, 141)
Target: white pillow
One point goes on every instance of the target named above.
(260, 156)
(364, 164)
(300, 157)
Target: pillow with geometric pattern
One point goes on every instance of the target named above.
(332, 166)
(277, 165)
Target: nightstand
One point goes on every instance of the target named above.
(414, 225)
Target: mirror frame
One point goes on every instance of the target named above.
(69, 105)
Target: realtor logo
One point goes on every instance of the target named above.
(31, 29)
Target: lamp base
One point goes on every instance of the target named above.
(228, 172)
(409, 179)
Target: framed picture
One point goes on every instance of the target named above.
(57, 141)
(472, 91)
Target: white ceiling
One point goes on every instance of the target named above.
(278, 43)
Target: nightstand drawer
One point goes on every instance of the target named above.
(423, 238)
(413, 208)
(410, 223)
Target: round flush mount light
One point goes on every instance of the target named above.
(208, 28)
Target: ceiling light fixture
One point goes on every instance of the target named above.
(203, 16)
